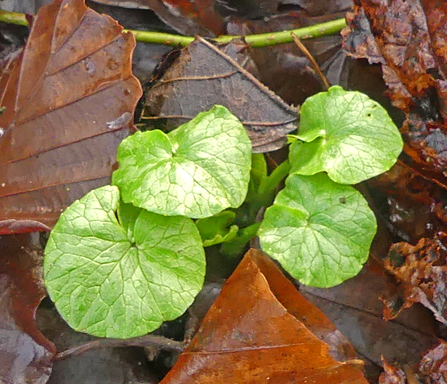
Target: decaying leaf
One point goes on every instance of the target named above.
(124, 365)
(25, 354)
(433, 364)
(355, 309)
(69, 99)
(204, 76)
(253, 334)
(408, 39)
(189, 17)
(422, 271)
(431, 369)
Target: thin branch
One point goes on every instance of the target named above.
(13, 18)
(155, 342)
(257, 41)
(312, 60)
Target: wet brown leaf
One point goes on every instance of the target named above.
(407, 38)
(69, 100)
(253, 334)
(204, 76)
(107, 365)
(422, 271)
(26, 355)
(356, 310)
(432, 369)
(392, 374)
(411, 205)
(189, 17)
(433, 364)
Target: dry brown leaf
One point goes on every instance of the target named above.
(69, 99)
(252, 334)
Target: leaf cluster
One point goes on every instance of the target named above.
(129, 256)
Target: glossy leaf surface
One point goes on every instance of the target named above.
(197, 170)
(345, 134)
(113, 281)
(253, 334)
(319, 231)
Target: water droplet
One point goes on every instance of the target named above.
(3, 185)
(120, 122)
(89, 66)
(138, 284)
(2, 132)
(112, 64)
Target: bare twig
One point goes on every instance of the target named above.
(311, 59)
(155, 342)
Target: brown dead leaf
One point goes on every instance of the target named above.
(188, 17)
(253, 334)
(26, 355)
(422, 271)
(408, 40)
(356, 310)
(412, 205)
(204, 76)
(69, 99)
(432, 369)
(392, 374)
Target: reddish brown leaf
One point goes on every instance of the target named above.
(412, 205)
(432, 369)
(189, 17)
(25, 353)
(422, 271)
(250, 335)
(391, 374)
(204, 76)
(433, 364)
(69, 100)
(408, 39)
(356, 311)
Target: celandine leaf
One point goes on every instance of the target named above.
(346, 134)
(320, 231)
(197, 170)
(111, 280)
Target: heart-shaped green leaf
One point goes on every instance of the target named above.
(197, 170)
(121, 280)
(319, 231)
(345, 134)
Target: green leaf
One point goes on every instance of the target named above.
(346, 134)
(217, 229)
(236, 246)
(258, 174)
(319, 231)
(111, 280)
(197, 170)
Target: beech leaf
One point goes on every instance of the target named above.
(26, 355)
(253, 334)
(205, 75)
(69, 99)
